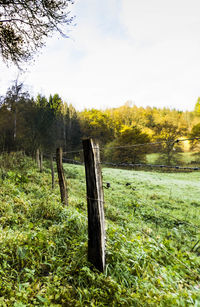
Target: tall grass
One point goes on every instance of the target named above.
(152, 226)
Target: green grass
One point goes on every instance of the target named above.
(151, 229)
(184, 158)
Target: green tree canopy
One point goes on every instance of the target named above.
(122, 149)
(24, 25)
(195, 133)
(197, 107)
(96, 124)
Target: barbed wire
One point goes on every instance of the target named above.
(162, 212)
(154, 143)
(134, 145)
(96, 199)
(181, 221)
(160, 245)
(153, 207)
(140, 165)
(149, 165)
(71, 161)
(73, 151)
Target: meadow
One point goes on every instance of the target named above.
(152, 238)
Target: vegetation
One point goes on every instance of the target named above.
(28, 124)
(43, 124)
(152, 220)
(152, 253)
(24, 26)
(124, 147)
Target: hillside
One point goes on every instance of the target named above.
(152, 229)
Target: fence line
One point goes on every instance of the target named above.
(72, 161)
(93, 200)
(73, 151)
(135, 145)
(143, 165)
(165, 213)
(134, 165)
(150, 165)
(154, 143)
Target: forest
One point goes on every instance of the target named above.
(29, 124)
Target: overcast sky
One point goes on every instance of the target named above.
(144, 51)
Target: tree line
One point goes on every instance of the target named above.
(29, 124)
(41, 123)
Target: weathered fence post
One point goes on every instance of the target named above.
(41, 161)
(61, 177)
(38, 157)
(95, 203)
(52, 171)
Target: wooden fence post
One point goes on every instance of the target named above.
(41, 161)
(61, 177)
(52, 171)
(95, 203)
(38, 157)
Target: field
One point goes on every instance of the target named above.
(152, 234)
(184, 158)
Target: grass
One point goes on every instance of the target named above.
(184, 158)
(152, 226)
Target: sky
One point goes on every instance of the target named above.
(143, 51)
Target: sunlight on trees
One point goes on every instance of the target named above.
(44, 123)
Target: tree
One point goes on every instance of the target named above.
(195, 133)
(123, 148)
(197, 107)
(96, 124)
(13, 96)
(72, 129)
(13, 106)
(167, 131)
(6, 133)
(24, 25)
(46, 122)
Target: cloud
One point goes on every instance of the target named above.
(144, 51)
(155, 20)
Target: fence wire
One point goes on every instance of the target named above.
(173, 157)
(171, 142)
(76, 157)
(142, 165)
(102, 147)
